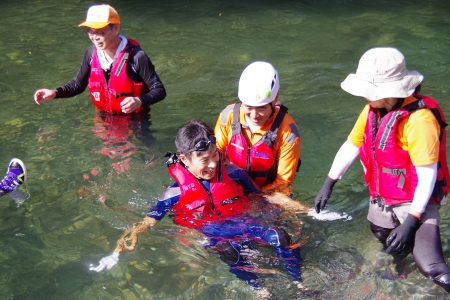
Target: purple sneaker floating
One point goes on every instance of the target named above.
(15, 176)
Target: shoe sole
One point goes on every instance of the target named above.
(22, 165)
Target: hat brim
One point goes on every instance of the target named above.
(373, 91)
(95, 25)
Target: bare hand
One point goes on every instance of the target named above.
(130, 104)
(44, 95)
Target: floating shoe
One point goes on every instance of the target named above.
(15, 176)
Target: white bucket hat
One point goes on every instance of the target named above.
(382, 74)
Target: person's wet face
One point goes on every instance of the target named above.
(104, 38)
(257, 115)
(203, 165)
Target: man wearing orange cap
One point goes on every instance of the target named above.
(120, 76)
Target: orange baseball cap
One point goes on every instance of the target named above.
(99, 16)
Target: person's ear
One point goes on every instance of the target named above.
(117, 28)
(184, 160)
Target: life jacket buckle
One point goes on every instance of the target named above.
(229, 200)
(378, 200)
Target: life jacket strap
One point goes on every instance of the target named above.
(235, 125)
(271, 135)
(420, 103)
(124, 59)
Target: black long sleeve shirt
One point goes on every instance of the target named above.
(139, 63)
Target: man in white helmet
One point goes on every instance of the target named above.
(257, 134)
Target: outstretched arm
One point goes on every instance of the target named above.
(286, 202)
(72, 88)
(127, 242)
(242, 177)
(342, 161)
(129, 239)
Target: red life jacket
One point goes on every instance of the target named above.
(259, 160)
(107, 96)
(198, 206)
(389, 173)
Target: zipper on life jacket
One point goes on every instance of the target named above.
(377, 179)
(108, 99)
(377, 199)
(249, 149)
(211, 200)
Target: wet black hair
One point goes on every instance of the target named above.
(189, 135)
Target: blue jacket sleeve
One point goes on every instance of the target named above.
(165, 203)
(241, 176)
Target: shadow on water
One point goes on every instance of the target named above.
(87, 185)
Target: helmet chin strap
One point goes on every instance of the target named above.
(273, 110)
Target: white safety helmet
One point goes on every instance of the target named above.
(259, 84)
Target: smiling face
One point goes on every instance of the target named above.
(257, 115)
(106, 38)
(202, 166)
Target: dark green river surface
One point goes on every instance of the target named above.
(72, 218)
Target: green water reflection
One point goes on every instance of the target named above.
(199, 48)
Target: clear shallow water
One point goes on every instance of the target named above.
(199, 49)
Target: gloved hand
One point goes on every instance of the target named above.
(402, 237)
(107, 261)
(323, 194)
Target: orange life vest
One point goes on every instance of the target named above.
(258, 160)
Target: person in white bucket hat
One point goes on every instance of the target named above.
(401, 139)
(257, 134)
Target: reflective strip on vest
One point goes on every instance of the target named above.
(397, 172)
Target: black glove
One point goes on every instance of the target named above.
(324, 194)
(402, 237)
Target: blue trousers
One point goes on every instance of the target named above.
(233, 238)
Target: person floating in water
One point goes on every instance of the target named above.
(16, 175)
(212, 198)
(401, 139)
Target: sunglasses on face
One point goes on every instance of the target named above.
(204, 145)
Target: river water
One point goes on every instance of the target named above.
(90, 178)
